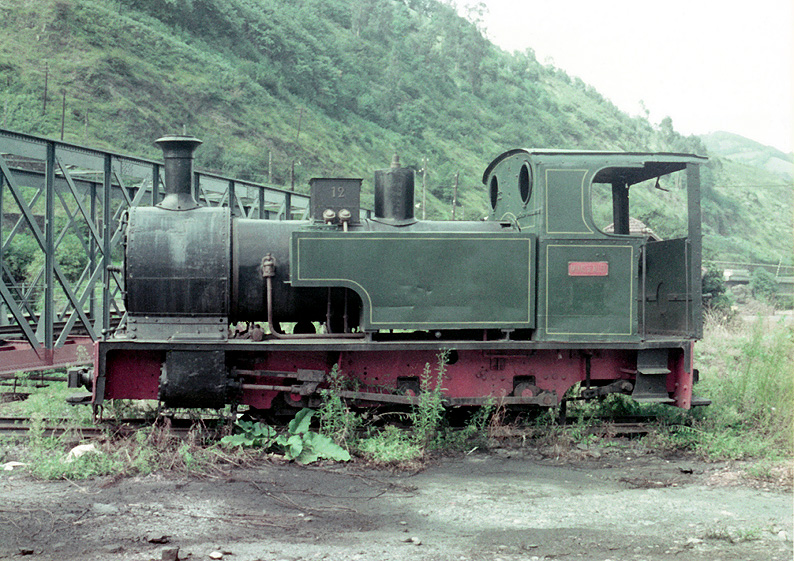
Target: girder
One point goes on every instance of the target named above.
(62, 221)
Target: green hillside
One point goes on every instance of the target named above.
(334, 87)
(746, 151)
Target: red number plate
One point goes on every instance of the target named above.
(588, 268)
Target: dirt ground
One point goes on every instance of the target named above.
(619, 503)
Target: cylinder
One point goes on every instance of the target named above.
(394, 194)
(178, 156)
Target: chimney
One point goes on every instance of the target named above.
(178, 155)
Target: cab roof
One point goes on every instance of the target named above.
(611, 167)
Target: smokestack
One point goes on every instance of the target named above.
(178, 155)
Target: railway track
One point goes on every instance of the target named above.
(20, 427)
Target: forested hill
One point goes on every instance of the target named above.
(324, 87)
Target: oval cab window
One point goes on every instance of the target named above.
(494, 191)
(525, 183)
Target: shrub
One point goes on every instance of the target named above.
(763, 286)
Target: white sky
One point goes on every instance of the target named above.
(710, 65)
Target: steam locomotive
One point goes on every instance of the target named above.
(522, 305)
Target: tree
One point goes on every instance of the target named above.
(714, 290)
(763, 286)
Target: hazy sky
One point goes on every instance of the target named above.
(710, 65)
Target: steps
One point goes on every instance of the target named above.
(650, 385)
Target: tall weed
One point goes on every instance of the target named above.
(337, 420)
(746, 370)
(426, 415)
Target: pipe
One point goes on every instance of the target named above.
(268, 272)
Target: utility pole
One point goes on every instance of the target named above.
(63, 112)
(297, 138)
(269, 166)
(424, 188)
(46, 79)
(455, 196)
(300, 120)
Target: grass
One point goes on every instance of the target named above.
(141, 452)
(47, 402)
(745, 370)
(427, 414)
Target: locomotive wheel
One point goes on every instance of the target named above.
(408, 386)
(525, 389)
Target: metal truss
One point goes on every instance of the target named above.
(63, 209)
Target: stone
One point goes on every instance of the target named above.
(103, 508)
(157, 538)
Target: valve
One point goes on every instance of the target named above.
(268, 266)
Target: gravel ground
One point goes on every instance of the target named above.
(619, 503)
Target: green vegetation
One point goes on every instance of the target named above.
(715, 298)
(69, 455)
(763, 286)
(334, 88)
(389, 443)
(343, 429)
(250, 434)
(337, 419)
(299, 443)
(426, 416)
(46, 402)
(745, 371)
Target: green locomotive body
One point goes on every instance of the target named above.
(524, 304)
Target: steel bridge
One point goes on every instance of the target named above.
(62, 220)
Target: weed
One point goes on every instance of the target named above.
(746, 372)
(427, 413)
(305, 446)
(118, 410)
(299, 443)
(337, 420)
(734, 535)
(143, 452)
(50, 402)
(46, 456)
(250, 434)
(484, 423)
(390, 445)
